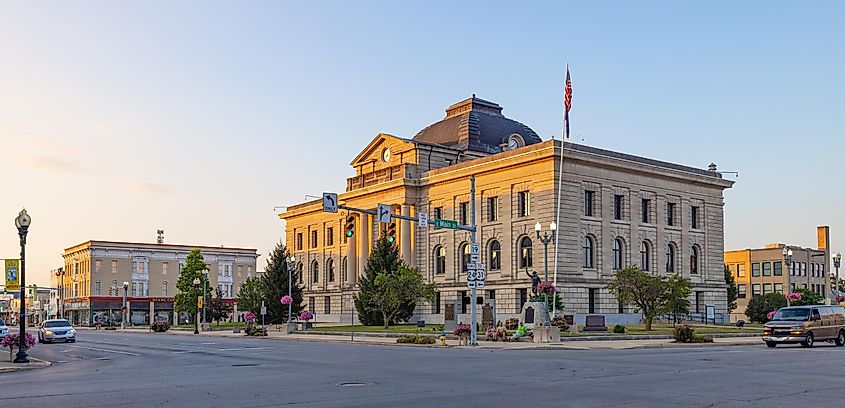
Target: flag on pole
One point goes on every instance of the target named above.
(567, 101)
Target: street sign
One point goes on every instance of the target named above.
(330, 202)
(383, 213)
(450, 224)
(471, 284)
(470, 275)
(422, 220)
(479, 284)
(474, 266)
(479, 275)
(263, 310)
(474, 252)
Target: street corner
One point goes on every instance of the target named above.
(34, 363)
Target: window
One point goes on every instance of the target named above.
(492, 208)
(589, 203)
(312, 304)
(693, 259)
(465, 256)
(439, 260)
(803, 269)
(330, 269)
(164, 268)
(670, 214)
(767, 269)
(779, 288)
(97, 266)
(495, 256)
(588, 252)
(694, 216)
(617, 207)
(299, 269)
(438, 213)
(523, 204)
(755, 269)
(299, 241)
(698, 302)
(767, 288)
(740, 291)
(343, 276)
(240, 271)
(437, 303)
(591, 299)
(314, 239)
(740, 270)
(646, 206)
(113, 266)
(645, 256)
(670, 257)
(315, 271)
(114, 291)
(617, 254)
(329, 236)
(164, 288)
(778, 267)
(491, 294)
(525, 253)
(97, 287)
(327, 306)
(523, 297)
(755, 290)
(464, 213)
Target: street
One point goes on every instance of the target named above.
(105, 369)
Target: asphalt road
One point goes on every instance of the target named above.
(109, 369)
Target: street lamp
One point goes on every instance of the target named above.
(837, 260)
(125, 307)
(196, 315)
(22, 223)
(291, 264)
(787, 259)
(546, 239)
(204, 300)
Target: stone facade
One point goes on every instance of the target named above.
(517, 185)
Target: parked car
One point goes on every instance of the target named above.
(56, 329)
(4, 331)
(806, 325)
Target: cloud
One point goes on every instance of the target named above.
(147, 187)
(54, 164)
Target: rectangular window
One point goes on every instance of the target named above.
(164, 268)
(97, 266)
(314, 239)
(299, 241)
(767, 269)
(114, 288)
(164, 288)
(778, 268)
(463, 211)
(523, 297)
(329, 236)
(437, 303)
(755, 290)
(617, 207)
(767, 288)
(646, 206)
(591, 299)
(97, 288)
(312, 304)
(491, 294)
(740, 270)
(755, 269)
(327, 306)
(492, 208)
(438, 213)
(694, 215)
(524, 204)
(589, 203)
(740, 291)
(113, 266)
(803, 269)
(698, 302)
(670, 214)
(779, 288)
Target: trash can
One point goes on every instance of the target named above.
(420, 323)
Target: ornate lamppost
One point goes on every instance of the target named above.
(125, 307)
(546, 239)
(196, 315)
(22, 223)
(787, 259)
(837, 260)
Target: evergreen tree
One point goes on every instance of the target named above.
(274, 285)
(186, 298)
(383, 259)
(732, 289)
(218, 309)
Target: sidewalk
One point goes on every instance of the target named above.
(6, 366)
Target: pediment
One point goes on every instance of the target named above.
(375, 149)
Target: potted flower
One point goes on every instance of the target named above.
(249, 318)
(771, 315)
(463, 332)
(286, 300)
(306, 316)
(12, 341)
(793, 296)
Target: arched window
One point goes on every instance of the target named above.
(495, 256)
(670, 257)
(299, 269)
(343, 270)
(693, 259)
(315, 271)
(525, 253)
(465, 256)
(645, 256)
(330, 269)
(589, 255)
(439, 260)
(618, 255)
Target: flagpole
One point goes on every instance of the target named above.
(557, 215)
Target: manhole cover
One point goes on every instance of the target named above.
(353, 384)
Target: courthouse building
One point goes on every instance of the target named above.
(616, 210)
(94, 274)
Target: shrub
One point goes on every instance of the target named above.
(698, 338)
(256, 331)
(512, 323)
(415, 340)
(619, 328)
(462, 330)
(683, 333)
(559, 321)
(759, 306)
(425, 340)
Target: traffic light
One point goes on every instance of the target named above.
(350, 225)
(391, 232)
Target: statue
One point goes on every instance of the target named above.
(535, 280)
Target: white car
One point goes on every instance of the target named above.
(56, 329)
(4, 331)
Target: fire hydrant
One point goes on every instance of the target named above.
(442, 338)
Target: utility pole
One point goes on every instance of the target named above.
(473, 306)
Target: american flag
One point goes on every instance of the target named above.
(567, 101)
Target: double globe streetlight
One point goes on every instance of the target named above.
(787, 259)
(546, 239)
(22, 224)
(837, 260)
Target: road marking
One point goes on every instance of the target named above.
(230, 349)
(126, 353)
(208, 344)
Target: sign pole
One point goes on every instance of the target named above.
(474, 319)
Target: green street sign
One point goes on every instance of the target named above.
(450, 224)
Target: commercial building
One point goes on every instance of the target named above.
(616, 210)
(95, 272)
(767, 270)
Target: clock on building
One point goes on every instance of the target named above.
(385, 155)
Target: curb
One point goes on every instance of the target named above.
(34, 363)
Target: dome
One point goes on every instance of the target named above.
(478, 125)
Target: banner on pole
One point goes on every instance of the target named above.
(12, 274)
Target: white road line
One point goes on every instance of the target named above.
(230, 349)
(126, 353)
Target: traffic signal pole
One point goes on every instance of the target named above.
(473, 306)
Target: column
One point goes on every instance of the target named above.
(351, 262)
(152, 312)
(234, 312)
(405, 230)
(363, 241)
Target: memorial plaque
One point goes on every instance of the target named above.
(529, 315)
(570, 319)
(450, 312)
(487, 316)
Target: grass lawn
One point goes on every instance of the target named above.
(699, 329)
(213, 325)
(401, 328)
(637, 329)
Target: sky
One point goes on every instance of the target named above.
(121, 118)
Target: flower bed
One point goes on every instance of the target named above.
(416, 340)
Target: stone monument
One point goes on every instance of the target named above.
(450, 317)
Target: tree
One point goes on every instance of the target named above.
(677, 292)
(249, 295)
(186, 298)
(759, 306)
(373, 303)
(219, 309)
(274, 285)
(732, 289)
(808, 297)
(638, 289)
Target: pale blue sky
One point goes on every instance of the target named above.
(118, 118)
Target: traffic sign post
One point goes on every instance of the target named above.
(330, 202)
(450, 224)
(383, 213)
(422, 220)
